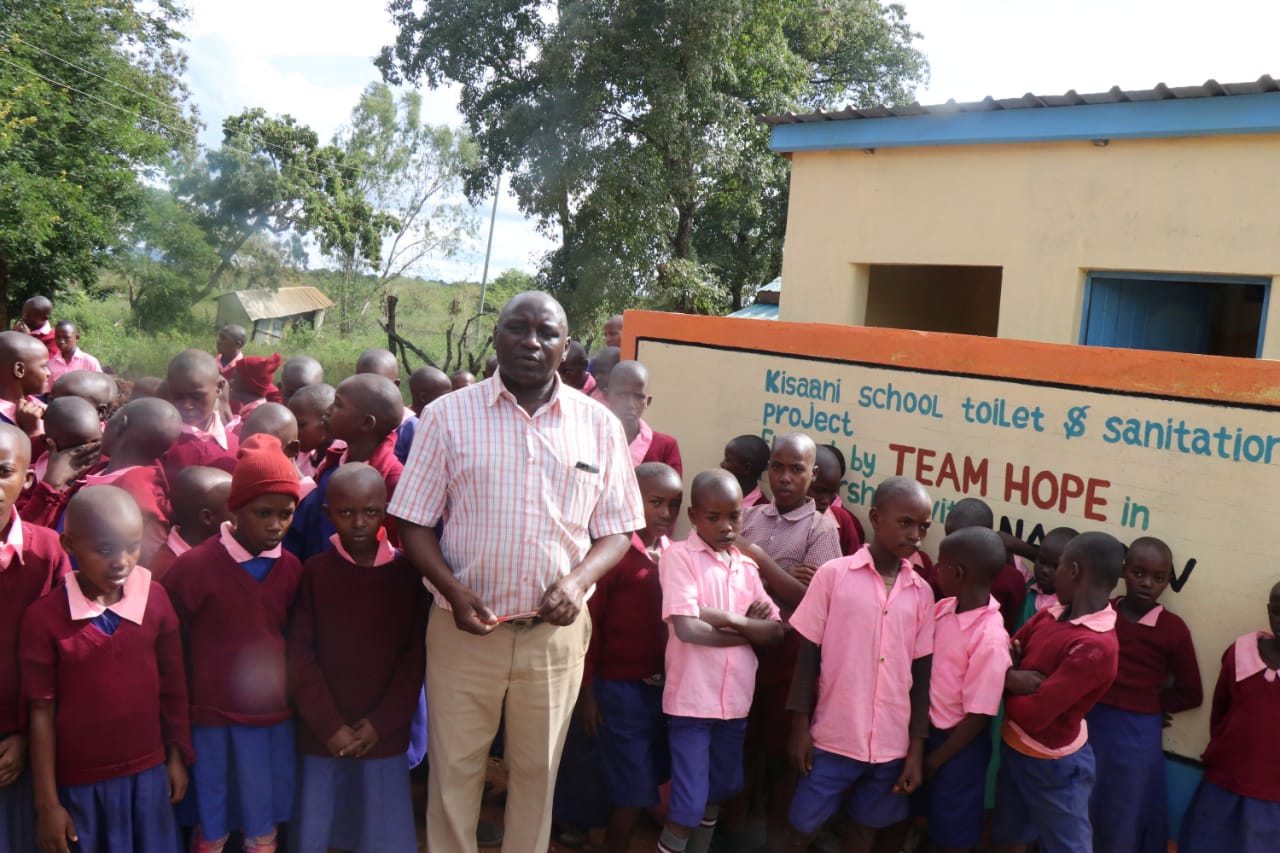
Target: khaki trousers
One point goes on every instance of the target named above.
(530, 675)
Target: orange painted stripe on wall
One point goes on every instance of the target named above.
(1180, 375)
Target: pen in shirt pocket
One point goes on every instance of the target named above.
(588, 467)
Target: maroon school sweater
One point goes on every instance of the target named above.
(1148, 655)
(193, 450)
(120, 698)
(233, 631)
(356, 650)
(628, 636)
(1079, 665)
(384, 461)
(851, 535)
(664, 448)
(41, 569)
(1244, 745)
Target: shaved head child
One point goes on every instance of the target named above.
(1010, 589)
(1068, 659)
(102, 668)
(357, 660)
(1237, 805)
(601, 368)
(298, 372)
(36, 312)
(426, 385)
(746, 458)
(194, 385)
(67, 355)
(33, 563)
(462, 379)
(73, 439)
(198, 501)
(628, 398)
(228, 346)
(365, 414)
(1041, 592)
(24, 376)
(1157, 677)
(718, 611)
(573, 369)
(613, 331)
(966, 686)
(825, 492)
(69, 422)
(381, 362)
(98, 388)
(866, 732)
(233, 594)
(309, 406)
(621, 697)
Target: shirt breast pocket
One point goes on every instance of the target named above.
(581, 495)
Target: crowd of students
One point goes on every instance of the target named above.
(207, 624)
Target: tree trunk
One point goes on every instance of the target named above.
(682, 241)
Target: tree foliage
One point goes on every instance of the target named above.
(91, 102)
(629, 129)
(411, 172)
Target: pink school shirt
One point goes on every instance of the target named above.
(868, 639)
(1043, 599)
(80, 360)
(705, 682)
(641, 443)
(970, 659)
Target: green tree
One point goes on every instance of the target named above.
(91, 102)
(270, 183)
(411, 171)
(629, 129)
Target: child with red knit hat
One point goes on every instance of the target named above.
(252, 383)
(233, 594)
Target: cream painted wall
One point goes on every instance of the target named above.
(1046, 213)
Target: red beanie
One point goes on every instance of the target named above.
(261, 469)
(255, 372)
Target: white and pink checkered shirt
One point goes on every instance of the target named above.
(522, 496)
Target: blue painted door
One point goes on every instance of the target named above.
(1174, 316)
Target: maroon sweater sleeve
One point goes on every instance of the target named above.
(1187, 691)
(1222, 692)
(406, 682)
(175, 709)
(311, 694)
(666, 449)
(597, 606)
(42, 504)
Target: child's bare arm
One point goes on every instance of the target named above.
(961, 736)
(756, 625)
(800, 702)
(54, 827)
(779, 584)
(698, 632)
(913, 768)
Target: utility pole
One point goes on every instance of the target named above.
(493, 218)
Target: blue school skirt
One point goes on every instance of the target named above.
(243, 779)
(18, 814)
(130, 814)
(1218, 820)
(1129, 805)
(353, 804)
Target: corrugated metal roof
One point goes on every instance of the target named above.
(757, 311)
(285, 302)
(1116, 95)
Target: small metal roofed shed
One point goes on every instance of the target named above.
(267, 314)
(1210, 109)
(765, 306)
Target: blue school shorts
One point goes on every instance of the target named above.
(706, 765)
(1044, 800)
(872, 802)
(955, 796)
(633, 742)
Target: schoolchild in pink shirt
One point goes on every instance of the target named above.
(198, 502)
(1041, 592)
(69, 356)
(825, 491)
(628, 398)
(102, 669)
(966, 686)
(1237, 805)
(717, 609)
(1065, 658)
(195, 387)
(32, 562)
(868, 623)
(746, 457)
(24, 376)
(1158, 676)
(229, 346)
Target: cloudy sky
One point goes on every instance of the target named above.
(311, 59)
